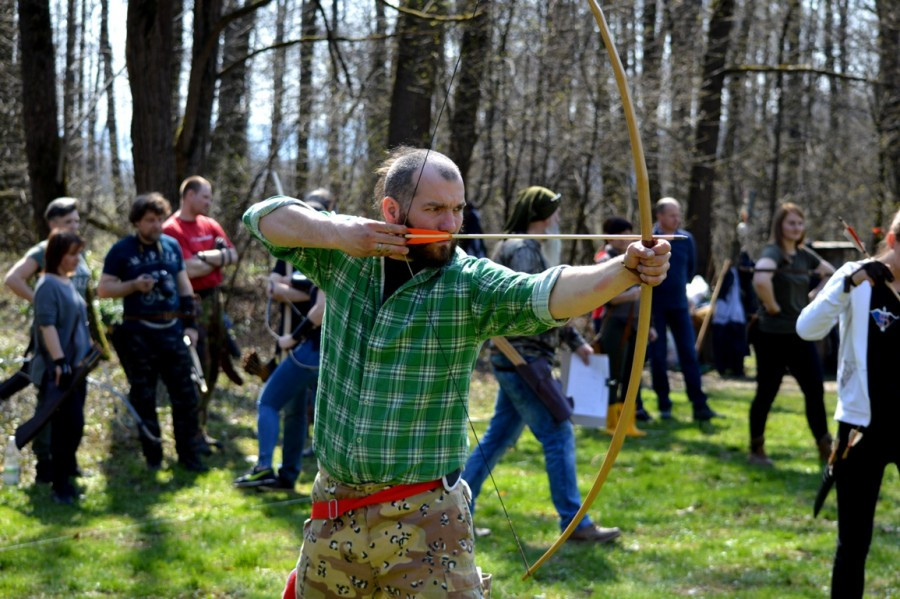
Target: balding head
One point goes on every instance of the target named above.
(668, 214)
(400, 172)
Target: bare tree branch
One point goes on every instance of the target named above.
(794, 68)
(430, 17)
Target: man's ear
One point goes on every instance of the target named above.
(390, 208)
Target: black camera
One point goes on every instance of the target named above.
(165, 284)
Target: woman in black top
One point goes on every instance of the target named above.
(782, 282)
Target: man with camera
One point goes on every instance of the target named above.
(147, 270)
(206, 249)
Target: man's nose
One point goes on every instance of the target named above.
(447, 222)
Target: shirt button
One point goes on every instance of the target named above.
(359, 439)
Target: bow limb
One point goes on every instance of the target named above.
(643, 326)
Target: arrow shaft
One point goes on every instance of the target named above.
(537, 236)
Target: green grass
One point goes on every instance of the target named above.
(696, 519)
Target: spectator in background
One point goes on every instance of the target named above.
(729, 327)
(146, 269)
(535, 211)
(618, 331)
(671, 311)
(782, 283)
(63, 340)
(860, 298)
(206, 249)
(291, 386)
(472, 224)
(61, 214)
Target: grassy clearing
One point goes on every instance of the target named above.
(696, 519)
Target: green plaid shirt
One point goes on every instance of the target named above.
(394, 375)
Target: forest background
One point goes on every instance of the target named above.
(742, 104)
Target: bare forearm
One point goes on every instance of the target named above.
(196, 268)
(765, 293)
(17, 278)
(51, 342)
(295, 226)
(580, 289)
(20, 287)
(317, 312)
(115, 288)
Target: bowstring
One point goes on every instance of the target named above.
(431, 324)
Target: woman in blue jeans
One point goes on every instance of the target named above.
(287, 389)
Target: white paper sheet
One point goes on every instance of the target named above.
(587, 386)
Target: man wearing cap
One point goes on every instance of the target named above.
(401, 333)
(61, 213)
(536, 212)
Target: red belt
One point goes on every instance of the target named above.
(334, 508)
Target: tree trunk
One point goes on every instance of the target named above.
(684, 20)
(112, 127)
(650, 90)
(148, 56)
(308, 29)
(889, 98)
(279, 61)
(474, 53)
(70, 83)
(783, 46)
(230, 151)
(418, 54)
(13, 163)
(192, 144)
(39, 110)
(377, 107)
(706, 138)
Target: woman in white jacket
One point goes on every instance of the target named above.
(860, 298)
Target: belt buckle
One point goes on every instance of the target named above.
(333, 511)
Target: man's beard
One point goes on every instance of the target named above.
(429, 254)
(432, 254)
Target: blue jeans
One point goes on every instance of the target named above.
(678, 320)
(287, 388)
(517, 405)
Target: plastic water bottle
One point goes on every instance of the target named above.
(11, 466)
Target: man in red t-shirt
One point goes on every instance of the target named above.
(206, 250)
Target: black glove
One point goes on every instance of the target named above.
(879, 272)
(188, 311)
(303, 330)
(65, 375)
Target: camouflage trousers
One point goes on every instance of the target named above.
(419, 547)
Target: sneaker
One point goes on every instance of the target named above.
(193, 464)
(280, 484)
(66, 495)
(596, 534)
(665, 414)
(759, 458)
(63, 498)
(260, 476)
(705, 413)
(643, 415)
